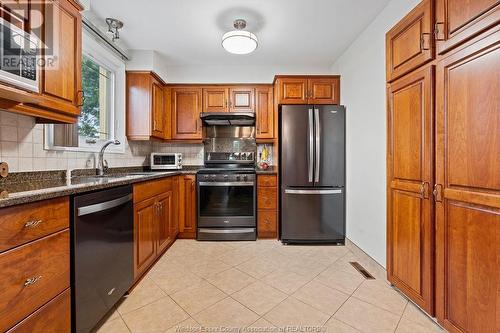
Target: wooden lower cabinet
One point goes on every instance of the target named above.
(187, 207)
(145, 220)
(31, 275)
(267, 206)
(153, 216)
(468, 187)
(410, 218)
(55, 316)
(165, 219)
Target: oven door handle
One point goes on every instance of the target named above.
(226, 183)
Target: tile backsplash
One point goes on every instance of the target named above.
(21, 146)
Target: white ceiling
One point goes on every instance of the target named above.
(290, 32)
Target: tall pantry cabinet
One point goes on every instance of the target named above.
(443, 189)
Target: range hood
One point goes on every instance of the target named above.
(228, 118)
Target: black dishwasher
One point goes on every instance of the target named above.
(103, 253)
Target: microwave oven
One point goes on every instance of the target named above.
(166, 161)
(19, 55)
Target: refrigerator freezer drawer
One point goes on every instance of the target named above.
(313, 215)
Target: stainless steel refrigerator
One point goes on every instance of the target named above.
(312, 173)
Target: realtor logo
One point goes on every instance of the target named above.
(29, 35)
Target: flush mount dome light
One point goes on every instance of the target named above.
(239, 41)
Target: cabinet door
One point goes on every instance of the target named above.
(187, 227)
(215, 99)
(186, 107)
(174, 226)
(145, 234)
(164, 203)
(241, 99)
(158, 111)
(61, 82)
(264, 112)
(410, 175)
(459, 20)
(324, 91)
(292, 91)
(468, 188)
(409, 43)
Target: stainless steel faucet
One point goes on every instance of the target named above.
(102, 164)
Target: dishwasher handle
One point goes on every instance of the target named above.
(85, 210)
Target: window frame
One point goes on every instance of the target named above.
(99, 53)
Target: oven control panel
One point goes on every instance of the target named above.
(227, 177)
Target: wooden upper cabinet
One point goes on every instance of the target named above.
(292, 90)
(409, 44)
(468, 186)
(158, 110)
(308, 89)
(215, 99)
(410, 178)
(264, 112)
(146, 110)
(324, 91)
(61, 80)
(460, 20)
(241, 99)
(228, 98)
(186, 106)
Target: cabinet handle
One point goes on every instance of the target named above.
(438, 32)
(424, 190)
(32, 280)
(423, 45)
(32, 223)
(82, 99)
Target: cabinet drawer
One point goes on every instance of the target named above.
(267, 197)
(31, 275)
(55, 316)
(267, 181)
(24, 223)
(267, 221)
(149, 189)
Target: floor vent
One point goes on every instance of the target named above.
(362, 270)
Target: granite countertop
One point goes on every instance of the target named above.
(271, 170)
(25, 187)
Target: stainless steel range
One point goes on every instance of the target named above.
(227, 184)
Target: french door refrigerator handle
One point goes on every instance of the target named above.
(311, 146)
(317, 130)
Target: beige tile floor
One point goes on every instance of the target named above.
(262, 286)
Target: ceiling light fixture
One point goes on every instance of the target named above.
(239, 41)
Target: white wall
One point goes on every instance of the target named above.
(236, 74)
(362, 67)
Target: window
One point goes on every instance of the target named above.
(103, 112)
(97, 85)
